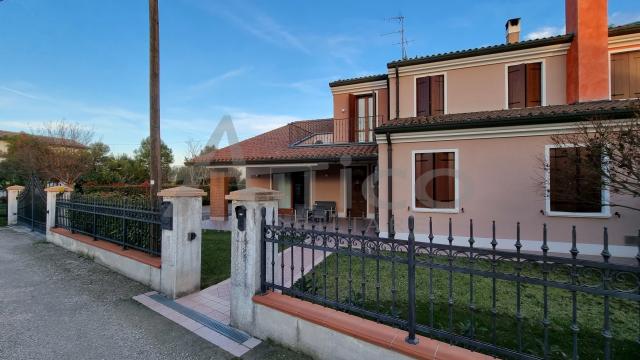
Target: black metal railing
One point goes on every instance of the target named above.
(3, 206)
(511, 304)
(133, 223)
(311, 132)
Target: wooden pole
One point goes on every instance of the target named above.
(154, 99)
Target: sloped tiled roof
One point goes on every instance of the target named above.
(625, 29)
(50, 140)
(358, 80)
(273, 147)
(605, 109)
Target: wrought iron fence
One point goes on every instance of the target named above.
(509, 304)
(130, 222)
(32, 206)
(3, 206)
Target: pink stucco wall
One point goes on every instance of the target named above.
(500, 179)
(480, 88)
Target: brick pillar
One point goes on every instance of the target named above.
(219, 188)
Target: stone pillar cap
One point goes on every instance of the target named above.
(16, 187)
(182, 191)
(58, 189)
(254, 194)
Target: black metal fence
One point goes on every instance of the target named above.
(32, 206)
(509, 304)
(130, 222)
(3, 206)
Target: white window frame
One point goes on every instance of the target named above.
(456, 159)
(415, 90)
(605, 210)
(617, 51)
(543, 80)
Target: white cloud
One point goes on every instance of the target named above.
(545, 31)
(215, 80)
(255, 22)
(622, 18)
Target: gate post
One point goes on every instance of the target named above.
(12, 203)
(246, 250)
(52, 192)
(181, 242)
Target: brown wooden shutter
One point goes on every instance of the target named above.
(634, 74)
(422, 96)
(437, 95)
(620, 76)
(352, 118)
(516, 87)
(534, 84)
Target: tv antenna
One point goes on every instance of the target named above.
(403, 41)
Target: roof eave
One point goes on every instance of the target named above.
(545, 119)
(561, 39)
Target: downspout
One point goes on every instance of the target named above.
(389, 180)
(388, 101)
(397, 96)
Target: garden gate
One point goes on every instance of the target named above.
(32, 206)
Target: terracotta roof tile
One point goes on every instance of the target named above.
(542, 114)
(273, 147)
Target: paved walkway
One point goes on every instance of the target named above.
(57, 305)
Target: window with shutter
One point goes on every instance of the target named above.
(435, 179)
(524, 85)
(430, 95)
(625, 75)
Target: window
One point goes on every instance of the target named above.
(430, 95)
(365, 115)
(574, 185)
(625, 75)
(282, 183)
(435, 183)
(524, 85)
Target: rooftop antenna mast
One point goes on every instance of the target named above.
(403, 41)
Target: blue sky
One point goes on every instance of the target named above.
(263, 63)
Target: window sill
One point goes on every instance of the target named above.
(442, 211)
(577, 215)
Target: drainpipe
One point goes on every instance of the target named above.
(389, 179)
(388, 101)
(397, 95)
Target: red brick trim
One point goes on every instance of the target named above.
(366, 330)
(111, 247)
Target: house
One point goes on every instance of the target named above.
(6, 136)
(461, 136)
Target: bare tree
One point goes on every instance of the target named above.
(193, 174)
(66, 157)
(599, 153)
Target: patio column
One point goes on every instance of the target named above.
(246, 250)
(181, 244)
(12, 203)
(219, 187)
(52, 193)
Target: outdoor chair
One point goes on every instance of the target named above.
(323, 211)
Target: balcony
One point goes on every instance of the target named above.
(337, 131)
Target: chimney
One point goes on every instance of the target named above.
(512, 28)
(587, 59)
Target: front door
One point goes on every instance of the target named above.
(358, 191)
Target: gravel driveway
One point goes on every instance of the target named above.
(57, 305)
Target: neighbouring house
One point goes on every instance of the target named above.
(5, 138)
(461, 135)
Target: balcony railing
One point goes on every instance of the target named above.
(339, 131)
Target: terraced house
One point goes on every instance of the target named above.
(461, 135)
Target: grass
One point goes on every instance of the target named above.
(624, 314)
(216, 257)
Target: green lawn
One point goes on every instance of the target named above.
(624, 314)
(216, 257)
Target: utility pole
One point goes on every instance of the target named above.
(154, 99)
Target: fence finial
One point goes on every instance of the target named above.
(544, 246)
(494, 242)
(471, 240)
(574, 246)
(518, 243)
(450, 238)
(430, 229)
(392, 230)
